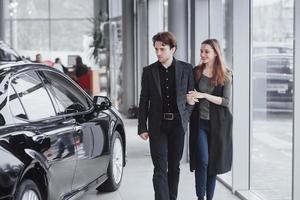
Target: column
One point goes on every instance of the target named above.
(199, 27)
(178, 24)
(141, 42)
(296, 131)
(241, 95)
(2, 20)
(128, 55)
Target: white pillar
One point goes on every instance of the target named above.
(241, 95)
(1, 19)
(128, 54)
(178, 23)
(296, 131)
(155, 25)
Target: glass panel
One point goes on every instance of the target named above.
(6, 9)
(33, 96)
(72, 9)
(66, 36)
(7, 35)
(29, 9)
(272, 98)
(32, 35)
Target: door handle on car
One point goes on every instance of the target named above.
(71, 121)
(77, 128)
(38, 138)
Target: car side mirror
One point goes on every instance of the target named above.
(102, 102)
(2, 120)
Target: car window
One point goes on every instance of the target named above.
(65, 93)
(33, 96)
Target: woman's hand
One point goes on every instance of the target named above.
(197, 95)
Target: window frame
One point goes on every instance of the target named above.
(11, 87)
(50, 90)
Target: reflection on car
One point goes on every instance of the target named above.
(272, 83)
(55, 140)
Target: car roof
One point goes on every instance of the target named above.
(17, 67)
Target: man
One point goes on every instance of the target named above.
(165, 84)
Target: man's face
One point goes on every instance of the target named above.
(163, 51)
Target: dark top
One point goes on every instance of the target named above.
(168, 88)
(80, 70)
(220, 135)
(205, 86)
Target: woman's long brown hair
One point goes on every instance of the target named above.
(219, 69)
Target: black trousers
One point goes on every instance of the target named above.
(166, 152)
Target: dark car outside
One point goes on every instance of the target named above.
(55, 140)
(272, 82)
(7, 54)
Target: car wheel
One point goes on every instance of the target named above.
(28, 190)
(115, 167)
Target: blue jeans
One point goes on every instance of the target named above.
(205, 183)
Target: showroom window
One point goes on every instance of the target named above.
(272, 99)
(43, 26)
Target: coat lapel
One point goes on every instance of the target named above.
(155, 73)
(178, 73)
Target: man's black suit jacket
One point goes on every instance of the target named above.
(150, 106)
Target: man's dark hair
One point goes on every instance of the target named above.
(167, 38)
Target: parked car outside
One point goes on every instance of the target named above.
(272, 82)
(55, 140)
(7, 54)
(267, 48)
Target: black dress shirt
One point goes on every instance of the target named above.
(168, 88)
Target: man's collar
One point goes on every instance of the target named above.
(172, 64)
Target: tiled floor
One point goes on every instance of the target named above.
(137, 177)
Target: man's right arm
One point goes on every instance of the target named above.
(144, 104)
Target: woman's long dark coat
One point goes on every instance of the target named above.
(219, 137)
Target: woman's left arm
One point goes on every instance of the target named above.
(223, 101)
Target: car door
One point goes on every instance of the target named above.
(31, 106)
(91, 137)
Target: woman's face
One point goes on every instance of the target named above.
(207, 54)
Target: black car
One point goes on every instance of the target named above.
(55, 140)
(7, 54)
(273, 83)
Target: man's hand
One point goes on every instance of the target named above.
(144, 135)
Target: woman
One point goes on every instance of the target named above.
(211, 120)
(80, 68)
